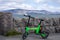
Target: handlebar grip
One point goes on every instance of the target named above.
(25, 15)
(41, 19)
(28, 16)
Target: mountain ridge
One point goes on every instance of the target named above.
(35, 13)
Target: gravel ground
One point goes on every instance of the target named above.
(32, 37)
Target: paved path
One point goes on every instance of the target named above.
(32, 37)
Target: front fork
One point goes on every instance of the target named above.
(24, 35)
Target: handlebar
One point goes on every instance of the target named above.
(33, 17)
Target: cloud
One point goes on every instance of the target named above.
(38, 1)
(0, 0)
(48, 7)
(14, 5)
(7, 6)
(12, 0)
(56, 1)
(26, 6)
(47, 1)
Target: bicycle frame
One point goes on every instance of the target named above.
(37, 29)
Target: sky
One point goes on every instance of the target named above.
(50, 5)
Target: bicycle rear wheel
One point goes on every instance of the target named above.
(44, 34)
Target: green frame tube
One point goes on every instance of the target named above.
(37, 29)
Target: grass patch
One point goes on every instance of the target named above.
(12, 33)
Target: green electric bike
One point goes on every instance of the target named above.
(38, 29)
